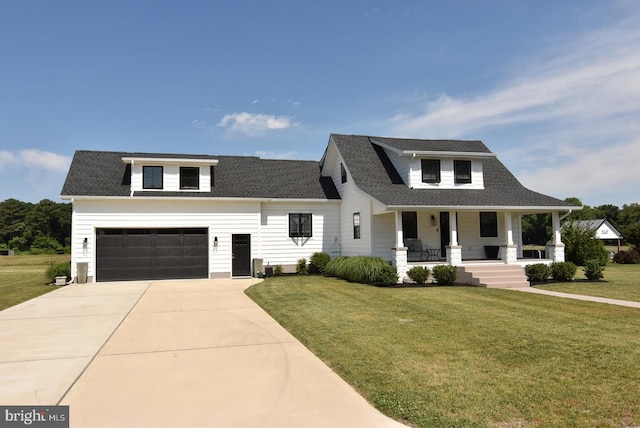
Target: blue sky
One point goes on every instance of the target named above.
(552, 87)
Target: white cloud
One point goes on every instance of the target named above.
(255, 123)
(32, 174)
(34, 159)
(275, 155)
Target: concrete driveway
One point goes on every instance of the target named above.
(195, 353)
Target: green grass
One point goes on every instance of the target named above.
(23, 277)
(620, 282)
(463, 356)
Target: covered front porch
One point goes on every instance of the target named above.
(429, 237)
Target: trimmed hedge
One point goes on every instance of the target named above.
(627, 257)
(445, 274)
(60, 269)
(538, 272)
(563, 271)
(419, 274)
(318, 261)
(593, 270)
(362, 269)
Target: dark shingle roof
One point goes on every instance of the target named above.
(373, 172)
(94, 173)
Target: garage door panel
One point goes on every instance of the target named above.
(141, 254)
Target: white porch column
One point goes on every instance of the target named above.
(399, 255)
(509, 250)
(555, 249)
(454, 251)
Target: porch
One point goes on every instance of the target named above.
(463, 238)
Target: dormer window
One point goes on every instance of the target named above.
(462, 171)
(152, 177)
(189, 178)
(430, 170)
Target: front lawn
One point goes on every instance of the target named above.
(23, 277)
(463, 356)
(620, 282)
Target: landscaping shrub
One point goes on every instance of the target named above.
(335, 266)
(563, 271)
(627, 257)
(60, 269)
(538, 272)
(301, 267)
(445, 274)
(581, 244)
(419, 274)
(593, 270)
(277, 270)
(318, 262)
(362, 269)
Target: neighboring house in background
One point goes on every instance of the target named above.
(157, 216)
(604, 229)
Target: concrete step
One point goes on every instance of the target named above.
(493, 276)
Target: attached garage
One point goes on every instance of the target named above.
(142, 254)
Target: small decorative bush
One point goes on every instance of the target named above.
(60, 269)
(593, 269)
(277, 270)
(538, 272)
(362, 269)
(445, 274)
(301, 267)
(627, 257)
(318, 262)
(419, 274)
(563, 271)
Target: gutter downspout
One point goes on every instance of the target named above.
(130, 179)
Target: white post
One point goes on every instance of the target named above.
(555, 251)
(454, 253)
(400, 251)
(509, 250)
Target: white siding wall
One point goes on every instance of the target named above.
(469, 234)
(276, 247)
(402, 165)
(269, 229)
(447, 177)
(353, 201)
(384, 232)
(171, 177)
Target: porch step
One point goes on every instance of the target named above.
(493, 276)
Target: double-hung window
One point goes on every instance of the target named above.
(189, 178)
(152, 177)
(356, 225)
(430, 170)
(300, 225)
(462, 171)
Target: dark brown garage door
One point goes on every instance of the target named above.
(135, 254)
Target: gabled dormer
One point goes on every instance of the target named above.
(437, 164)
(171, 174)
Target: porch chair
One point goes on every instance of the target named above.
(415, 250)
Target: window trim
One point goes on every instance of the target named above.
(300, 225)
(152, 177)
(435, 165)
(356, 225)
(488, 221)
(195, 169)
(458, 177)
(343, 173)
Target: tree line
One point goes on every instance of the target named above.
(537, 228)
(43, 227)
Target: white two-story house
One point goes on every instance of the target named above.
(161, 216)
